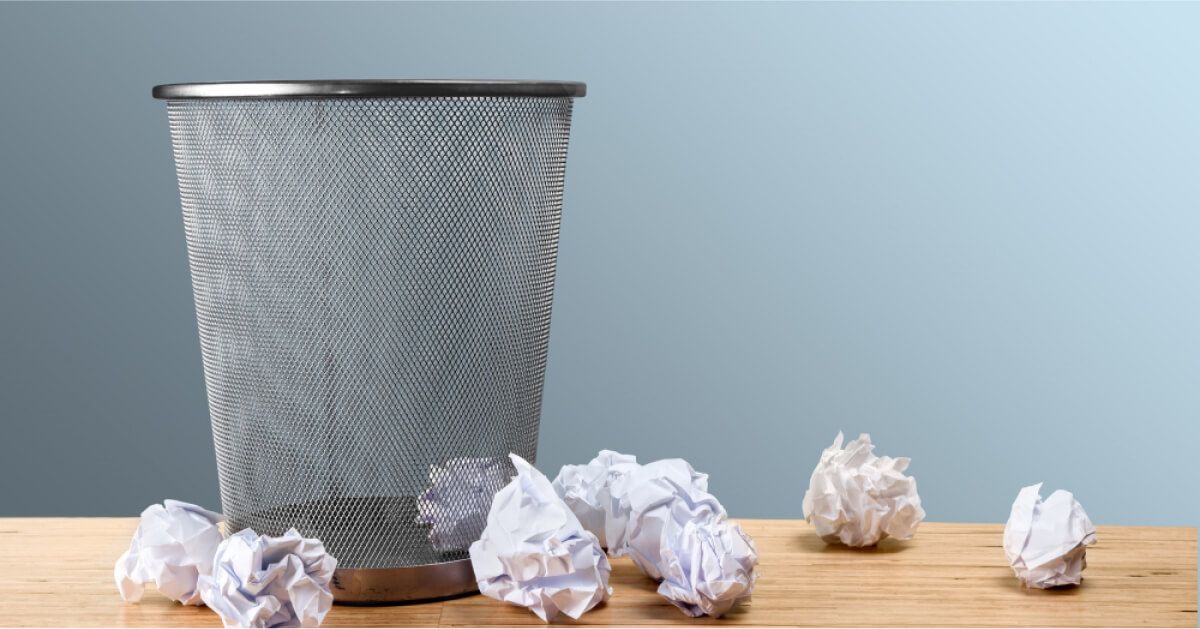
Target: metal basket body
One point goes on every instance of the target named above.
(373, 281)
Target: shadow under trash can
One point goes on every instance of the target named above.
(373, 267)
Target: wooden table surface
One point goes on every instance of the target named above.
(59, 571)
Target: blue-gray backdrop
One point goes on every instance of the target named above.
(968, 229)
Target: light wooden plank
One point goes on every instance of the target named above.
(59, 572)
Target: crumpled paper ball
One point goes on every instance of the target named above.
(456, 504)
(587, 489)
(708, 567)
(656, 499)
(858, 499)
(643, 488)
(172, 547)
(534, 552)
(1046, 541)
(263, 581)
(662, 516)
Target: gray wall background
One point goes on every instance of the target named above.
(970, 230)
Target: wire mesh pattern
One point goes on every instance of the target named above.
(373, 282)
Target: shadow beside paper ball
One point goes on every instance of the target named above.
(1010, 582)
(809, 541)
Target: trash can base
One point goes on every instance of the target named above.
(399, 585)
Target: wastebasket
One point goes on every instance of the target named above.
(373, 267)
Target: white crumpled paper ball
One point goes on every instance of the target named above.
(263, 581)
(172, 547)
(456, 504)
(586, 489)
(858, 499)
(644, 488)
(655, 497)
(708, 567)
(662, 516)
(534, 552)
(1046, 541)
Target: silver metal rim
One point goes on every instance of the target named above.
(367, 89)
(398, 585)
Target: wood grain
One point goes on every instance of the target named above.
(58, 571)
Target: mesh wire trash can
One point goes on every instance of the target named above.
(373, 266)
